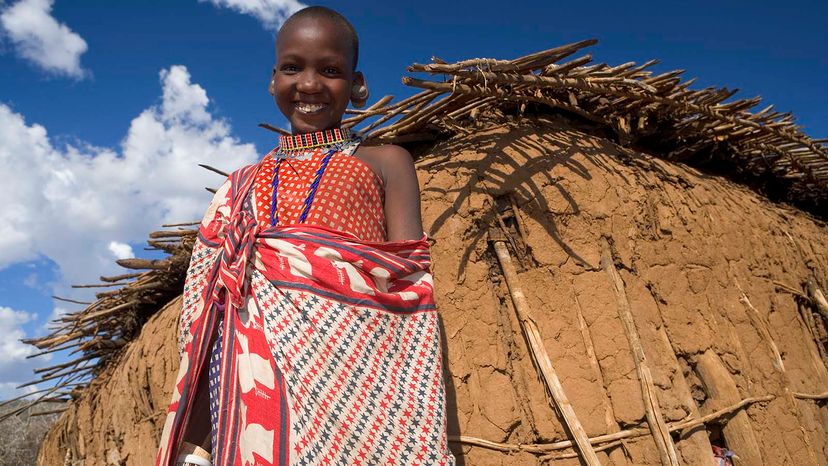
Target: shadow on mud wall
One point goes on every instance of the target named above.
(452, 422)
(495, 163)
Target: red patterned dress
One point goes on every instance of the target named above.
(330, 347)
(350, 197)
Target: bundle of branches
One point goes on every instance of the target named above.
(659, 115)
(656, 114)
(94, 335)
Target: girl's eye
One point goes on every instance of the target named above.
(289, 68)
(331, 70)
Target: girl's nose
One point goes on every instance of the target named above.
(308, 82)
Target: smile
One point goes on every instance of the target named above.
(309, 109)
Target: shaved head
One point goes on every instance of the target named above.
(334, 19)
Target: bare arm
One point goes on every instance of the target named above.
(402, 194)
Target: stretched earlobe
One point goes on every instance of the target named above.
(359, 95)
(271, 87)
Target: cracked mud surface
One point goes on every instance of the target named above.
(699, 257)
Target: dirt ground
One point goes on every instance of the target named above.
(704, 262)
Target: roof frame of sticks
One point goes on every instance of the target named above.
(656, 114)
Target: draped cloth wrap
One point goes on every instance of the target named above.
(330, 345)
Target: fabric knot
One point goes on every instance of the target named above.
(237, 248)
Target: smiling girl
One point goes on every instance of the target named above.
(308, 332)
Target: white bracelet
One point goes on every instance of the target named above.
(186, 460)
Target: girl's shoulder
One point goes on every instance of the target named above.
(239, 176)
(387, 160)
(385, 150)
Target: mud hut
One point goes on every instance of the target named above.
(629, 272)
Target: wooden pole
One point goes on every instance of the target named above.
(817, 298)
(540, 448)
(663, 441)
(538, 352)
(721, 389)
(693, 444)
(617, 457)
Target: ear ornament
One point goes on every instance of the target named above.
(359, 95)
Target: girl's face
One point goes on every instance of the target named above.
(313, 75)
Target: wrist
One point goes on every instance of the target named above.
(192, 460)
(193, 455)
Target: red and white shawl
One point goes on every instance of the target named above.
(331, 345)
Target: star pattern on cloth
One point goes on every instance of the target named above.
(364, 386)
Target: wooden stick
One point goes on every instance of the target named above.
(759, 324)
(213, 169)
(173, 234)
(661, 435)
(720, 413)
(185, 224)
(811, 396)
(721, 389)
(586, 337)
(143, 264)
(86, 303)
(817, 297)
(98, 285)
(118, 278)
(609, 414)
(370, 110)
(504, 65)
(274, 129)
(541, 448)
(606, 446)
(539, 355)
(46, 413)
(107, 312)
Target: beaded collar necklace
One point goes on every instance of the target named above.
(302, 147)
(295, 145)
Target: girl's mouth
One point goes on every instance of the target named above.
(309, 109)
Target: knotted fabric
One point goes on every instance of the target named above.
(236, 251)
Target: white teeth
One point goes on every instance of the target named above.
(309, 108)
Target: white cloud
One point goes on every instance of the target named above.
(15, 368)
(11, 349)
(49, 323)
(41, 39)
(80, 205)
(121, 250)
(271, 13)
(9, 390)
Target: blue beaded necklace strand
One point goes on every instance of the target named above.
(306, 205)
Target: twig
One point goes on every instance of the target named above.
(539, 355)
(661, 435)
(818, 298)
(274, 128)
(213, 169)
(70, 300)
(811, 396)
(759, 323)
(541, 448)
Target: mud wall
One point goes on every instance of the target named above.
(119, 419)
(702, 260)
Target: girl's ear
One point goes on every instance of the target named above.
(359, 90)
(271, 88)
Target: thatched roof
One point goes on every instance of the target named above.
(655, 114)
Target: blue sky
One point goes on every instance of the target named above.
(106, 106)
